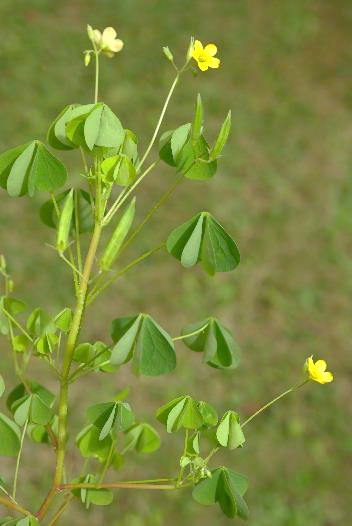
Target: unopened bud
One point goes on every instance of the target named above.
(90, 32)
(168, 54)
(190, 50)
(86, 58)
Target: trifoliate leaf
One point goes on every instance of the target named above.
(97, 128)
(229, 432)
(109, 415)
(215, 341)
(31, 168)
(63, 320)
(141, 339)
(225, 487)
(203, 239)
(143, 438)
(90, 445)
(99, 497)
(184, 412)
(56, 135)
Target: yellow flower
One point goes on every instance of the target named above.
(317, 371)
(205, 56)
(107, 41)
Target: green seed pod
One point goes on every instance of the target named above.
(222, 137)
(114, 245)
(197, 125)
(63, 229)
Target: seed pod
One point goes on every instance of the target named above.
(222, 137)
(123, 227)
(63, 229)
(198, 119)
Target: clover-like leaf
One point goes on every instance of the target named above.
(109, 415)
(32, 408)
(215, 341)
(226, 487)
(19, 394)
(97, 496)
(229, 432)
(90, 446)
(203, 239)
(143, 438)
(56, 135)
(184, 412)
(30, 168)
(97, 128)
(9, 437)
(139, 338)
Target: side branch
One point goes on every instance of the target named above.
(12, 505)
(117, 485)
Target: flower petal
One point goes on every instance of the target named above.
(116, 45)
(109, 34)
(197, 49)
(203, 66)
(320, 366)
(211, 49)
(97, 36)
(213, 62)
(327, 377)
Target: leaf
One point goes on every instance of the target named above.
(32, 408)
(99, 497)
(215, 341)
(141, 339)
(184, 412)
(225, 487)
(34, 170)
(107, 415)
(203, 239)
(178, 140)
(19, 392)
(90, 445)
(63, 320)
(7, 160)
(9, 437)
(197, 124)
(2, 385)
(82, 200)
(165, 152)
(39, 322)
(229, 432)
(222, 137)
(56, 135)
(143, 438)
(27, 521)
(96, 128)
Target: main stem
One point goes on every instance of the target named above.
(67, 360)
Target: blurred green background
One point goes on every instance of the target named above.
(284, 191)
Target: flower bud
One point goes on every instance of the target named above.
(90, 32)
(86, 58)
(190, 50)
(168, 54)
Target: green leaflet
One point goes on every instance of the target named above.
(143, 438)
(99, 497)
(2, 386)
(229, 432)
(97, 127)
(141, 339)
(184, 412)
(215, 341)
(9, 437)
(226, 487)
(90, 446)
(30, 168)
(109, 415)
(203, 239)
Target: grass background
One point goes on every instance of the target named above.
(283, 189)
